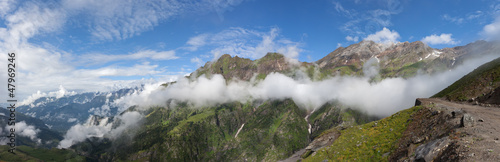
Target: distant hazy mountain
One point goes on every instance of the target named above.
(62, 113)
(29, 131)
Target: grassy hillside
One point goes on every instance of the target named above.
(25, 153)
(273, 130)
(475, 84)
(373, 141)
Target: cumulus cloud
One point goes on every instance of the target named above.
(441, 39)
(384, 36)
(79, 133)
(22, 129)
(379, 98)
(112, 130)
(492, 31)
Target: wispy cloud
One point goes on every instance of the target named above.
(117, 19)
(364, 22)
(463, 18)
(352, 39)
(97, 58)
(245, 43)
(197, 60)
(44, 68)
(340, 9)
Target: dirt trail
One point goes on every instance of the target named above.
(481, 141)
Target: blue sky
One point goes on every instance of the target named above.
(97, 45)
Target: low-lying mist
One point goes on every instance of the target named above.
(376, 98)
(380, 98)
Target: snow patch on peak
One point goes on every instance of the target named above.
(434, 53)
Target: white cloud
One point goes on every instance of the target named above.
(492, 31)
(31, 19)
(79, 132)
(352, 39)
(70, 120)
(384, 36)
(117, 19)
(23, 129)
(6, 6)
(380, 98)
(441, 39)
(44, 67)
(196, 42)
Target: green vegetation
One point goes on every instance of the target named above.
(367, 142)
(273, 130)
(269, 57)
(25, 153)
(261, 76)
(474, 84)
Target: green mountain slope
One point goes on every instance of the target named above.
(25, 153)
(367, 142)
(482, 84)
(272, 131)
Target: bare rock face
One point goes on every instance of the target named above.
(430, 150)
(418, 102)
(467, 121)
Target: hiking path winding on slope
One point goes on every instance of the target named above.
(479, 137)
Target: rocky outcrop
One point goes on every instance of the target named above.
(447, 131)
(430, 150)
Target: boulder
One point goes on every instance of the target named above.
(430, 150)
(467, 121)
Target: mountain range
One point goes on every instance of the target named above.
(273, 128)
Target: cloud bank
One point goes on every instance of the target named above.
(378, 98)
(80, 132)
(22, 129)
